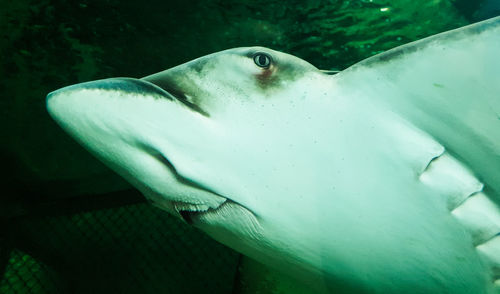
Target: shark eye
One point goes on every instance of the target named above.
(262, 60)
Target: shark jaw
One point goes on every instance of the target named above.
(93, 114)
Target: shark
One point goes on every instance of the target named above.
(381, 178)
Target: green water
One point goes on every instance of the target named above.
(51, 243)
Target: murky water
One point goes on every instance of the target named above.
(51, 43)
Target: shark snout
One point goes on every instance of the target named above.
(89, 99)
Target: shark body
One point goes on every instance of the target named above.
(382, 178)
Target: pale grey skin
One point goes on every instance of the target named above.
(379, 179)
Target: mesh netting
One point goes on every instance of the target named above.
(135, 248)
(24, 274)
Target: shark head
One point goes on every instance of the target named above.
(199, 140)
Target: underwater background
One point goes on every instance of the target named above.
(70, 225)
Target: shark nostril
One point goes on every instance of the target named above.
(165, 83)
(176, 93)
(184, 99)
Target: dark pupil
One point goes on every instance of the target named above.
(262, 60)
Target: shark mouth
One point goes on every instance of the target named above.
(228, 210)
(201, 213)
(191, 217)
(188, 210)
